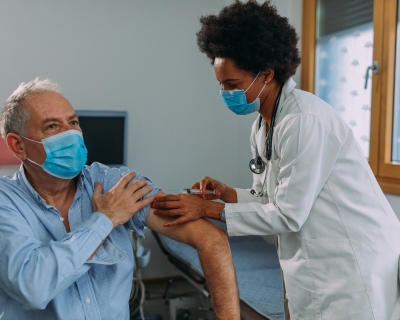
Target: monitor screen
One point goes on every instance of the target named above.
(105, 135)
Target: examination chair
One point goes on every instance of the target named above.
(257, 270)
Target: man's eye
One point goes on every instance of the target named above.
(75, 123)
(51, 126)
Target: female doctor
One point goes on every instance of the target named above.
(338, 238)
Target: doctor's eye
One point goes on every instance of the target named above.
(75, 123)
(229, 86)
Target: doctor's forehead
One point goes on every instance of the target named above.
(225, 69)
(47, 105)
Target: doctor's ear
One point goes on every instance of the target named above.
(268, 75)
(16, 145)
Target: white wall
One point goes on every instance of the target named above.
(139, 56)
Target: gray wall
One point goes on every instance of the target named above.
(139, 56)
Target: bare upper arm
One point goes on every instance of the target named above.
(191, 233)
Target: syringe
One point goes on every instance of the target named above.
(195, 191)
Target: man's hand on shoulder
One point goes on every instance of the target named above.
(123, 200)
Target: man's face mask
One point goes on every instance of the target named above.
(66, 154)
(236, 101)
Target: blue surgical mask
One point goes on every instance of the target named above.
(66, 154)
(236, 101)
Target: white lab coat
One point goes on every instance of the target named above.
(338, 237)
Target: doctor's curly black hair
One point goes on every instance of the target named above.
(254, 36)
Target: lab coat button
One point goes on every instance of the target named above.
(87, 300)
(61, 219)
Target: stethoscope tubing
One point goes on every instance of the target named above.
(268, 140)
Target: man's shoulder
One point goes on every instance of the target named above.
(10, 184)
(107, 176)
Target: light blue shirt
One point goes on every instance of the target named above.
(44, 272)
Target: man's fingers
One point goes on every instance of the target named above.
(136, 185)
(98, 189)
(123, 182)
(141, 193)
(143, 203)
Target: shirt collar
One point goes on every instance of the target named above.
(24, 181)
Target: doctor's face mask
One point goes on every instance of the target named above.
(66, 154)
(235, 100)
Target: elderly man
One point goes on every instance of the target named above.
(64, 246)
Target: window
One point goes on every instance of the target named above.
(350, 59)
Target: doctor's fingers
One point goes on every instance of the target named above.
(208, 183)
(166, 204)
(182, 219)
(184, 216)
(168, 197)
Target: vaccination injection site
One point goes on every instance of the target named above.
(200, 160)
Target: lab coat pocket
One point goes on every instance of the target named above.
(337, 279)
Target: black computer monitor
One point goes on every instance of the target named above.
(105, 134)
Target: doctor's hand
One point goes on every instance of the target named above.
(185, 208)
(208, 183)
(222, 191)
(123, 200)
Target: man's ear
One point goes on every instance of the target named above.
(17, 145)
(268, 75)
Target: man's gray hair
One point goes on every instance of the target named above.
(13, 116)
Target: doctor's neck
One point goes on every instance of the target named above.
(268, 99)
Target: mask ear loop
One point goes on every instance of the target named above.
(253, 82)
(32, 141)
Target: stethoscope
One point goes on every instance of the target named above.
(256, 164)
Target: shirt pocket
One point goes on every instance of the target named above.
(337, 279)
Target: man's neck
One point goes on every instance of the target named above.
(53, 190)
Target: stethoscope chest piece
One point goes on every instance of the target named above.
(257, 165)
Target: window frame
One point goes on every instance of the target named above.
(385, 26)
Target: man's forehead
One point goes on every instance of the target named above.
(45, 105)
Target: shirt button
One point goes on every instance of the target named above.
(61, 219)
(87, 300)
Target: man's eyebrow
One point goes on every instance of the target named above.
(58, 119)
(51, 119)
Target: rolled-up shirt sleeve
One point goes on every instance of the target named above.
(34, 274)
(112, 176)
(306, 151)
